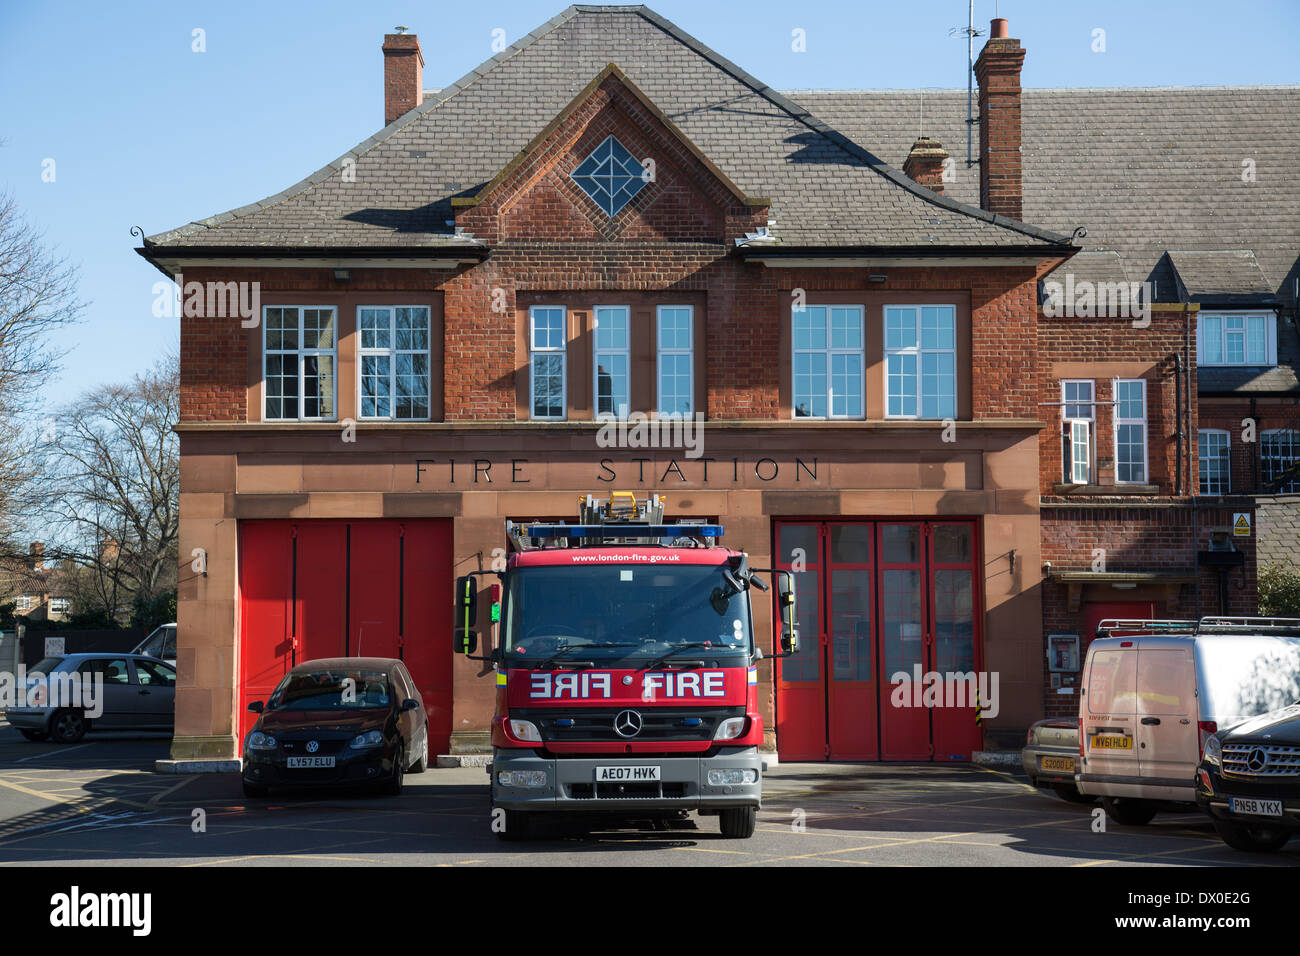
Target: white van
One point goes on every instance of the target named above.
(1153, 691)
(161, 643)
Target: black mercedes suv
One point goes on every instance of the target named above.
(1248, 781)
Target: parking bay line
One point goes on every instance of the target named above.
(156, 799)
(47, 753)
(67, 801)
(953, 838)
(893, 841)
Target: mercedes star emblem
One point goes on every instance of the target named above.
(627, 723)
(1257, 760)
(313, 746)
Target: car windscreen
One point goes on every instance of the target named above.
(45, 666)
(161, 643)
(630, 613)
(334, 689)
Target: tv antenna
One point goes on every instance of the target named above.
(970, 33)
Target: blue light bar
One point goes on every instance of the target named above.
(629, 530)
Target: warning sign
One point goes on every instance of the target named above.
(1241, 524)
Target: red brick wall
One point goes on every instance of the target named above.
(998, 73)
(1092, 341)
(403, 75)
(1137, 538)
(1230, 415)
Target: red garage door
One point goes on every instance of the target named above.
(313, 589)
(876, 600)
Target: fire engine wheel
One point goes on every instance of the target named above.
(68, 726)
(35, 734)
(1130, 812)
(519, 826)
(738, 823)
(1252, 839)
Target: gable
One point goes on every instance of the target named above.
(664, 188)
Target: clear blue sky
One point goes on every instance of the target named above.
(143, 131)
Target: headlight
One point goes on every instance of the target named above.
(723, 778)
(522, 778)
(1213, 750)
(371, 739)
(525, 730)
(731, 728)
(261, 741)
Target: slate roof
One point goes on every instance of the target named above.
(826, 189)
(1144, 170)
(1231, 276)
(1155, 175)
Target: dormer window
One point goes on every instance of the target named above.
(611, 176)
(1238, 339)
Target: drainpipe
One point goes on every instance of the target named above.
(1178, 404)
(1254, 459)
(1191, 491)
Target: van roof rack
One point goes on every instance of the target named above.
(619, 519)
(1216, 624)
(1106, 626)
(1263, 625)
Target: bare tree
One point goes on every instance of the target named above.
(110, 484)
(37, 298)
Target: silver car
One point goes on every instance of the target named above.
(1051, 757)
(69, 695)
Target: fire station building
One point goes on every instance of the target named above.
(609, 259)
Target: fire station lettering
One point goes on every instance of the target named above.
(585, 685)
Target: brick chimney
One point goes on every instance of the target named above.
(36, 556)
(924, 164)
(403, 74)
(998, 73)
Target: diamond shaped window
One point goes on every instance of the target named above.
(611, 176)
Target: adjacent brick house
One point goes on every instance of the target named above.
(611, 217)
(1192, 191)
(39, 593)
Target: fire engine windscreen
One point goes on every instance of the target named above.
(629, 613)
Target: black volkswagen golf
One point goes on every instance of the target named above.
(1249, 781)
(344, 721)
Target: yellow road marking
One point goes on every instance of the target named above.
(157, 797)
(709, 849)
(1002, 773)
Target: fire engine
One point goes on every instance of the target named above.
(625, 661)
